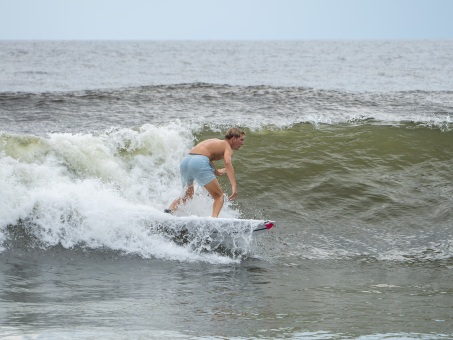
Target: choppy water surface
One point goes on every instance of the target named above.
(349, 149)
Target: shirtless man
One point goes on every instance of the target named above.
(198, 165)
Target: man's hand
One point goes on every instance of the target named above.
(233, 195)
(220, 172)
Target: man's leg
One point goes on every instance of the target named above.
(216, 192)
(188, 195)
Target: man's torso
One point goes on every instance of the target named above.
(214, 149)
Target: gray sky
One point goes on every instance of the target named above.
(226, 19)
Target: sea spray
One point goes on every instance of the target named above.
(97, 190)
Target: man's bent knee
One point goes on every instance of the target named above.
(219, 198)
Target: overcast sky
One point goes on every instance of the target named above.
(226, 19)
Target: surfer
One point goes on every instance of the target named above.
(198, 165)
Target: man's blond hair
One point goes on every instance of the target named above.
(234, 132)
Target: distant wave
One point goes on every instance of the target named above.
(219, 105)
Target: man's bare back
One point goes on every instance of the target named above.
(214, 149)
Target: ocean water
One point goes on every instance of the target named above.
(349, 149)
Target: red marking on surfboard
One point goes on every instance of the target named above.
(269, 224)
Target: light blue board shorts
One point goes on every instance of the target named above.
(198, 168)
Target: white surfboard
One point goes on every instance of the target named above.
(207, 233)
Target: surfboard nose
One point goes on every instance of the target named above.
(269, 224)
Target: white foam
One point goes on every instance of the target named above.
(100, 191)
